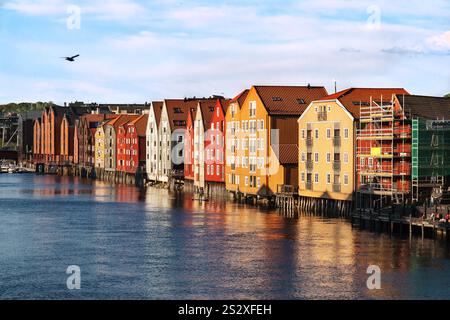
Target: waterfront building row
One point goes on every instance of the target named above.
(353, 145)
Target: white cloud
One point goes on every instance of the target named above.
(42, 7)
(110, 10)
(441, 41)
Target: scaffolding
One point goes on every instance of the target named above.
(383, 152)
(430, 159)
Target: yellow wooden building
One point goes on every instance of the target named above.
(327, 142)
(262, 138)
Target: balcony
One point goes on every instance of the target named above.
(286, 189)
(337, 141)
(309, 142)
(322, 116)
(309, 165)
(309, 186)
(336, 187)
(337, 166)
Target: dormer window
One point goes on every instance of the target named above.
(177, 110)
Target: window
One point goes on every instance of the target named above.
(328, 133)
(316, 157)
(252, 108)
(346, 133)
(362, 162)
(370, 162)
(346, 157)
(328, 157)
(303, 177)
(258, 182)
(303, 134)
(328, 178)
(317, 133)
(303, 157)
(246, 181)
(346, 179)
(316, 178)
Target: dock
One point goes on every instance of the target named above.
(394, 224)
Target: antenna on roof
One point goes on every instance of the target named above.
(335, 86)
(309, 86)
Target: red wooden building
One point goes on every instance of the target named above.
(189, 146)
(215, 144)
(131, 145)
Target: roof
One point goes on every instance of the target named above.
(178, 111)
(121, 120)
(140, 124)
(224, 104)
(207, 109)
(353, 98)
(431, 108)
(240, 98)
(157, 109)
(289, 100)
(288, 153)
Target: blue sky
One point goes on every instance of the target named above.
(136, 51)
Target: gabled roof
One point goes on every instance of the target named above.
(240, 98)
(178, 111)
(157, 109)
(140, 124)
(431, 108)
(207, 109)
(288, 154)
(353, 98)
(224, 104)
(121, 120)
(289, 100)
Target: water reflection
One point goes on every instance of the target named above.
(134, 243)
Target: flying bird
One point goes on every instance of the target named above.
(71, 59)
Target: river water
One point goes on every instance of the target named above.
(149, 244)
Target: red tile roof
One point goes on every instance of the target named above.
(157, 107)
(207, 109)
(141, 125)
(289, 100)
(178, 111)
(352, 98)
(121, 120)
(288, 153)
(240, 98)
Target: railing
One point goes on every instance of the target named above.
(287, 189)
(336, 187)
(309, 165)
(337, 141)
(322, 116)
(309, 186)
(309, 142)
(337, 165)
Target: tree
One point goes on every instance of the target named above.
(447, 95)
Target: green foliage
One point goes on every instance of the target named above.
(447, 95)
(23, 107)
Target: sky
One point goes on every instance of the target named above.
(137, 51)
